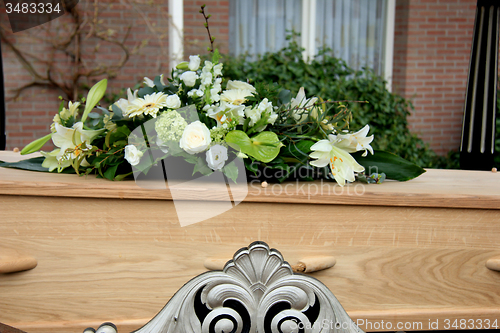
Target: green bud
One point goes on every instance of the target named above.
(183, 65)
(36, 145)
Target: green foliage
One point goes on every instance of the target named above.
(330, 78)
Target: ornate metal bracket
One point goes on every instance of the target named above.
(255, 292)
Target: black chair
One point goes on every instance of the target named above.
(478, 129)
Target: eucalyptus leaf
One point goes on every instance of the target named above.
(393, 166)
(117, 112)
(158, 84)
(94, 96)
(145, 91)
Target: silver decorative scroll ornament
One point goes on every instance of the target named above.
(255, 292)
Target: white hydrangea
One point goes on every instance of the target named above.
(169, 126)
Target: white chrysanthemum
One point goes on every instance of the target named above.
(169, 126)
(235, 96)
(149, 105)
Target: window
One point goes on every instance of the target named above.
(359, 31)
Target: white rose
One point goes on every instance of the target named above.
(233, 84)
(173, 102)
(216, 157)
(194, 62)
(195, 138)
(132, 154)
(189, 78)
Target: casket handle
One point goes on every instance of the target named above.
(11, 261)
(493, 264)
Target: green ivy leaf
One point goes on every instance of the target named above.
(393, 166)
(264, 146)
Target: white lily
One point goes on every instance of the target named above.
(76, 139)
(150, 83)
(356, 141)
(303, 106)
(341, 163)
(51, 162)
(227, 112)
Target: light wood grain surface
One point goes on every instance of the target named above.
(110, 251)
(435, 188)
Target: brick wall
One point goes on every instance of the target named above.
(29, 116)
(431, 59)
(195, 35)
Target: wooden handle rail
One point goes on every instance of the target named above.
(493, 264)
(11, 262)
(305, 265)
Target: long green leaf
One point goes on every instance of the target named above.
(35, 145)
(31, 164)
(393, 166)
(94, 96)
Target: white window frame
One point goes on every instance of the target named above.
(175, 32)
(308, 31)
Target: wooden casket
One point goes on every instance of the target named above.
(409, 255)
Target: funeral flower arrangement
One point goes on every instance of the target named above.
(208, 122)
(211, 124)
